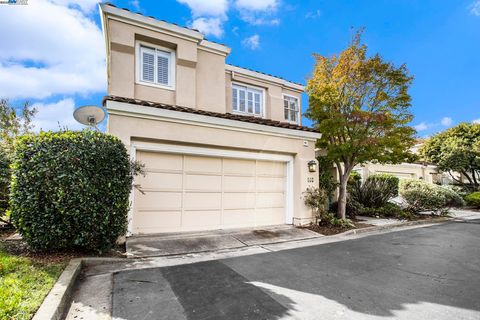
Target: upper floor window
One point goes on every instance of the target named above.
(247, 100)
(156, 66)
(291, 108)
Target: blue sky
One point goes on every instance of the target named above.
(55, 57)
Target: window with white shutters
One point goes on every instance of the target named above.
(247, 100)
(291, 108)
(155, 66)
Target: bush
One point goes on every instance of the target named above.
(374, 193)
(316, 199)
(70, 190)
(473, 199)
(4, 185)
(423, 196)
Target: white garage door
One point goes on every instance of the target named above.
(188, 193)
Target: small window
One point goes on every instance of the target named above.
(156, 66)
(247, 100)
(291, 109)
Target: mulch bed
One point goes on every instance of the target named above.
(328, 230)
(20, 248)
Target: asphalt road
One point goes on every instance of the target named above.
(425, 273)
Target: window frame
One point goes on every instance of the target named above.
(299, 106)
(138, 65)
(238, 85)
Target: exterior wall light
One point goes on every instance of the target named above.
(312, 166)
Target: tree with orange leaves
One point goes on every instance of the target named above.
(361, 106)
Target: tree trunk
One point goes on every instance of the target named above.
(342, 199)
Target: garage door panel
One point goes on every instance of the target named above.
(270, 216)
(239, 167)
(188, 193)
(158, 200)
(238, 217)
(165, 162)
(239, 184)
(271, 168)
(270, 184)
(203, 164)
(160, 180)
(273, 200)
(239, 200)
(202, 200)
(201, 219)
(199, 182)
(157, 221)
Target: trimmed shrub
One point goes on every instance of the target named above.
(423, 196)
(375, 191)
(473, 199)
(70, 190)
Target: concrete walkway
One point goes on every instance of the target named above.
(182, 243)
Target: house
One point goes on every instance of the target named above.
(415, 170)
(223, 146)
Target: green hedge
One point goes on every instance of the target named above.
(423, 196)
(473, 199)
(375, 191)
(4, 184)
(70, 189)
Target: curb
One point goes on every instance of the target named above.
(394, 226)
(55, 303)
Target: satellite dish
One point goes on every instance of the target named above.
(89, 115)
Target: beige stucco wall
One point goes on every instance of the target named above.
(402, 170)
(193, 135)
(273, 94)
(201, 78)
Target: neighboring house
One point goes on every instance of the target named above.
(416, 170)
(223, 146)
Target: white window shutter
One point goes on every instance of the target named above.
(148, 64)
(163, 65)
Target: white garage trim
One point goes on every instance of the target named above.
(211, 152)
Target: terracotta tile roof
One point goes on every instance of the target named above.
(229, 116)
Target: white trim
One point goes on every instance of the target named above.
(133, 157)
(210, 152)
(163, 26)
(258, 75)
(299, 115)
(138, 66)
(133, 110)
(241, 84)
(214, 47)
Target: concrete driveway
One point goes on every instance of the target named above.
(194, 242)
(422, 273)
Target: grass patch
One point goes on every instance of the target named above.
(24, 283)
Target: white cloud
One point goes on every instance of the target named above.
(208, 26)
(257, 5)
(53, 116)
(313, 14)
(83, 5)
(476, 121)
(135, 4)
(421, 126)
(51, 47)
(212, 8)
(475, 8)
(446, 121)
(258, 12)
(252, 42)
